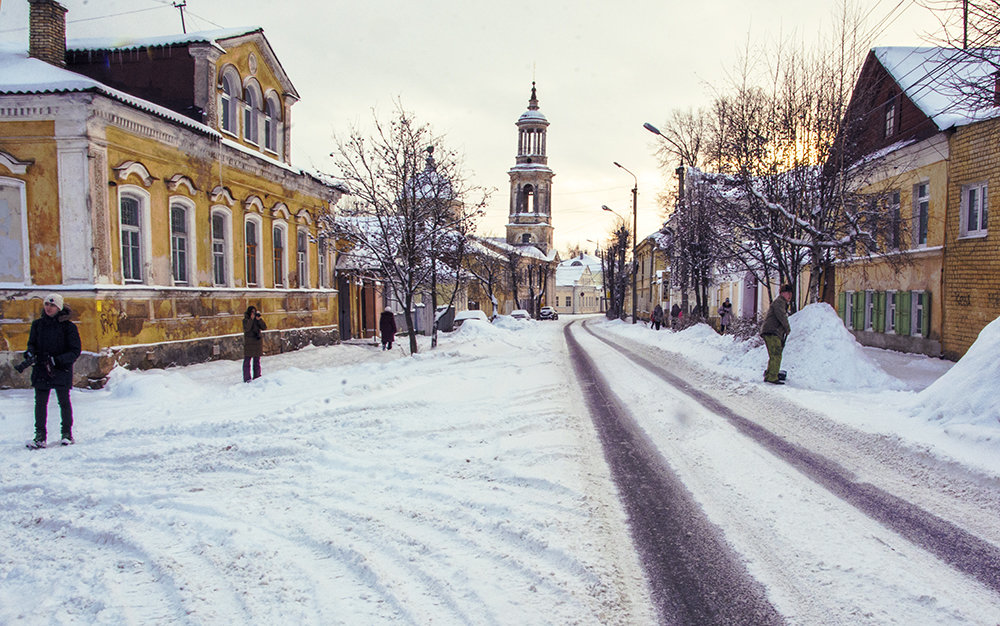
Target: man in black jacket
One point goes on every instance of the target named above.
(54, 343)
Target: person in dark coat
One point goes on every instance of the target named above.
(657, 317)
(387, 327)
(54, 343)
(775, 330)
(675, 316)
(725, 315)
(253, 342)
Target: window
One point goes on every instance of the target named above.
(179, 243)
(921, 208)
(569, 301)
(15, 264)
(321, 262)
(220, 248)
(132, 224)
(302, 258)
(252, 256)
(917, 313)
(251, 112)
(229, 100)
(892, 207)
(890, 312)
(525, 238)
(974, 210)
(272, 114)
(890, 116)
(869, 311)
(279, 255)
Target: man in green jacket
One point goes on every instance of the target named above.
(775, 330)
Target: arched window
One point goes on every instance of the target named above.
(220, 247)
(252, 101)
(179, 246)
(252, 242)
(302, 258)
(525, 238)
(278, 242)
(528, 199)
(272, 119)
(133, 222)
(229, 100)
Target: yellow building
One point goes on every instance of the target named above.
(928, 290)
(149, 183)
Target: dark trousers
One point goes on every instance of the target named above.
(42, 411)
(246, 367)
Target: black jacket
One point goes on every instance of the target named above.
(55, 342)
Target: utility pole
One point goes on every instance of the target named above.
(965, 24)
(180, 7)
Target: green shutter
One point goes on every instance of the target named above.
(925, 326)
(903, 312)
(841, 305)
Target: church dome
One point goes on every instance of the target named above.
(532, 115)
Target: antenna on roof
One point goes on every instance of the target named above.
(180, 7)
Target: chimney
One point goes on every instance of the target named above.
(47, 39)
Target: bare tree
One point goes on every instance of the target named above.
(616, 271)
(410, 204)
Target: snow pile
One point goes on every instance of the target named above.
(822, 354)
(476, 328)
(509, 323)
(966, 395)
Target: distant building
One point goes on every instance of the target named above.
(579, 286)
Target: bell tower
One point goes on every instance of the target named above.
(530, 219)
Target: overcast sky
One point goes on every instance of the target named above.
(602, 69)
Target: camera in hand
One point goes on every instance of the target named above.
(29, 360)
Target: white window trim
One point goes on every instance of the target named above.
(227, 247)
(259, 264)
(281, 225)
(145, 236)
(20, 188)
(272, 140)
(191, 235)
(916, 213)
(916, 304)
(252, 109)
(890, 311)
(964, 231)
(869, 310)
(235, 99)
(302, 268)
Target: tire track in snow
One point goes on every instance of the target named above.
(953, 545)
(695, 576)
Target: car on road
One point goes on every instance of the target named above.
(547, 313)
(520, 314)
(464, 316)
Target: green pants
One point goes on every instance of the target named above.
(774, 347)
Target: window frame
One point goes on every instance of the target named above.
(890, 311)
(279, 262)
(982, 214)
(229, 100)
(227, 245)
(869, 309)
(252, 111)
(891, 115)
(143, 238)
(190, 237)
(302, 256)
(921, 213)
(917, 313)
(272, 122)
(18, 188)
(256, 262)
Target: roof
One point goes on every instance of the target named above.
(127, 43)
(21, 74)
(936, 80)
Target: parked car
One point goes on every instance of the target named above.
(464, 316)
(547, 313)
(520, 314)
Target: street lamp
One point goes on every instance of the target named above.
(635, 238)
(605, 207)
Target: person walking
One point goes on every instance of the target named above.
(54, 345)
(775, 330)
(725, 315)
(253, 342)
(657, 317)
(387, 327)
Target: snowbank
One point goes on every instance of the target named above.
(966, 395)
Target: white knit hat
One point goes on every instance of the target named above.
(54, 298)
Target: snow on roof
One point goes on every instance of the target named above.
(21, 74)
(125, 43)
(933, 79)
(570, 274)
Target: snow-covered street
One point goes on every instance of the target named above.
(467, 485)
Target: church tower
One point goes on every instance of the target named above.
(530, 220)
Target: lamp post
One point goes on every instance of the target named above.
(635, 238)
